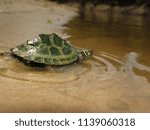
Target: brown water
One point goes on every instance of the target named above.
(116, 79)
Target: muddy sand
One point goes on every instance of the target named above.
(115, 80)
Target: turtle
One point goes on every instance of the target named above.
(49, 50)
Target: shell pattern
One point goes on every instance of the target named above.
(47, 49)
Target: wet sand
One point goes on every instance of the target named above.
(21, 20)
(24, 19)
(116, 79)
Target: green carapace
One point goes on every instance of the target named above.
(49, 49)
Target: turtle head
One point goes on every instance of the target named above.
(85, 54)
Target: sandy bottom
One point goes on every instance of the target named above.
(112, 81)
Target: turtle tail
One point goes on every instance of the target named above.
(5, 53)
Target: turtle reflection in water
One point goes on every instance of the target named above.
(49, 49)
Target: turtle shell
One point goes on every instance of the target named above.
(47, 49)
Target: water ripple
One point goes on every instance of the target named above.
(104, 66)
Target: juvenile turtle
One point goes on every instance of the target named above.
(49, 49)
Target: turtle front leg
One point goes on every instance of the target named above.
(81, 58)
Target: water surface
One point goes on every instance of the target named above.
(115, 79)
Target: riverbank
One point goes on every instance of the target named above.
(25, 19)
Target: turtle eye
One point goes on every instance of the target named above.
(89, 53)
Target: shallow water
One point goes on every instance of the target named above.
(115, 79)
